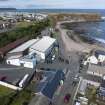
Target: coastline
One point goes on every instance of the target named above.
(86, 38)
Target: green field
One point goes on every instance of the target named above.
(24, 24)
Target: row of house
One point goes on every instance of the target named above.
(31, 52)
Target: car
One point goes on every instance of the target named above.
(67, 98)
(76, 77)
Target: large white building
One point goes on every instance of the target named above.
(18, 56)
(43, 47)
(32, 51)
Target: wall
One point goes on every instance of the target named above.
(92, 59)
(101, 58)
(13, 62)
(10, 86)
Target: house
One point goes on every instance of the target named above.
(43, 47)
(98, 57)
(49, 83)
(14, 77)
(96, 70)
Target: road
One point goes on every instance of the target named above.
(68, 50)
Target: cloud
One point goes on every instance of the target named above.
(3, 0)
(86, 4)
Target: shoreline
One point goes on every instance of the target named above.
(85, 38)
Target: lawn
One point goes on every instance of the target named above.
(91, 94)
(5, 95)
(5, 91)
(23, 96)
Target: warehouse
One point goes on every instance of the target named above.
(19, 56)
(22, 49)
(43, 47)
(4, 50)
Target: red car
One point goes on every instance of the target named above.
(67, 98)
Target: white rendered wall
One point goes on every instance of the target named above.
(15, 62)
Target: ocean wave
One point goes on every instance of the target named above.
(100, 40)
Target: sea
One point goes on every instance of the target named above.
(94, 30)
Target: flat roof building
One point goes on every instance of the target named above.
(43, 47)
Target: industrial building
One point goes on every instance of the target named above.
(20, 55)
(4, 50)
(43, 47)
(32, 51)
(22, 49)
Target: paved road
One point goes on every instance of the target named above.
(67, 53)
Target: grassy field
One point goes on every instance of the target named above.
(5, 91)
(23, 24)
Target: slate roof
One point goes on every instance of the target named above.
(50, 82)
(103, 84)
(99, 52)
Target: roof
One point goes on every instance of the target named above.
(14, 74)
(99, 52)
(28, 58)
(103, 84)
(96, 69)
(24, 46)
(43, 44)
(12, 45)
(14, 57)
(50, 83)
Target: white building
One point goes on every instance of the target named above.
(14, 60)
(18, 56)
(97, 57)
(43, 47)
(28, 61)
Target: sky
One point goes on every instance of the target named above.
(63, 4)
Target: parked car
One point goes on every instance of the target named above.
(67, 98)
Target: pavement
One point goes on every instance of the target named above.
(72, 68)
